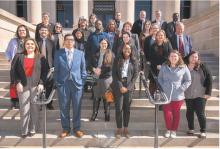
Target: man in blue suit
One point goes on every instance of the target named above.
(181, 41)
(69, 77)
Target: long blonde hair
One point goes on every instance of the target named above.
(108, 59)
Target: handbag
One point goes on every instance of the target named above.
(91, 79)
(13, 91)
(108, 95)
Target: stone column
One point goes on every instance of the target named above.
(80, 8)
(129, 8)
(35, 11)
(167, 8)
(83, 8)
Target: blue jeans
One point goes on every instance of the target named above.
(69, 93)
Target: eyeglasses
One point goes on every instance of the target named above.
(69, 39)
(21, 30)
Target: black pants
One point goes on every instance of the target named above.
(196, 105)
(122, 107)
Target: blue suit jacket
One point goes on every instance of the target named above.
(62, 72)
(187, 43)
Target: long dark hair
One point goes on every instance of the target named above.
(27, 31)
(108, 58)
(121, 58)
(198, 63)
(74, 35)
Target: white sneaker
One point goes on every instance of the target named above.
(190, 132)
(173, 134)
(167, 134)
(202, 135)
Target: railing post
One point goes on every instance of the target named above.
(156, 126)
(140, 85)
(44, 126)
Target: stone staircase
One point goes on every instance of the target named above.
(100, 134)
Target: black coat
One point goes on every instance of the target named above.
(117, 79)
(157, 58)
(170, 30)
(136, 28)
(163, 26)
(208, 79)
(106, 70)
(39, 74)
(50, 49)
(147, 47)
(37, 34)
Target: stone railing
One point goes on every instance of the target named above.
(8, 26)
(204, 30)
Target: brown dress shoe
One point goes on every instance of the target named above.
(79, 134)
(64, 134)
(126, 133)
(118, 133)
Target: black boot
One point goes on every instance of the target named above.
(96, 103)
(13, 104)
(106, 110)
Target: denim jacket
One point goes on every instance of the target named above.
(174, 81)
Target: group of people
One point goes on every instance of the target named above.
(114, 55)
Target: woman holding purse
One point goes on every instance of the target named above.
(124, 73)
(102, 67)
(29, 75)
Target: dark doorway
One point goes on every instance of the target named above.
(22, 9)
(143, 5)
(65, 13)
(104, 10)
(185, 7)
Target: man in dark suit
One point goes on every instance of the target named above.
(171, 26)
(139, 24)
(158, 20)
(45, 22)
(69, 78)
(47, 48)
(181, 41)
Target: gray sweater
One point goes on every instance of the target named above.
(174, 81)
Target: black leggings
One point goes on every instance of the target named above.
(196, 105)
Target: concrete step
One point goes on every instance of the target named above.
(4, 61)
(106, 139)
(4, 72)
(207, 58)
(145, 120)
(87, 101)
(4, 85)
(101, 125)
(5, 66)
(2, 55)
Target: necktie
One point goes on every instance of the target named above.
(181, 47)
(43, 48)
(142, 26)
(69, 58)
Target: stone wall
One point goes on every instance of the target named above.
(8, 26)
(204, 30)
